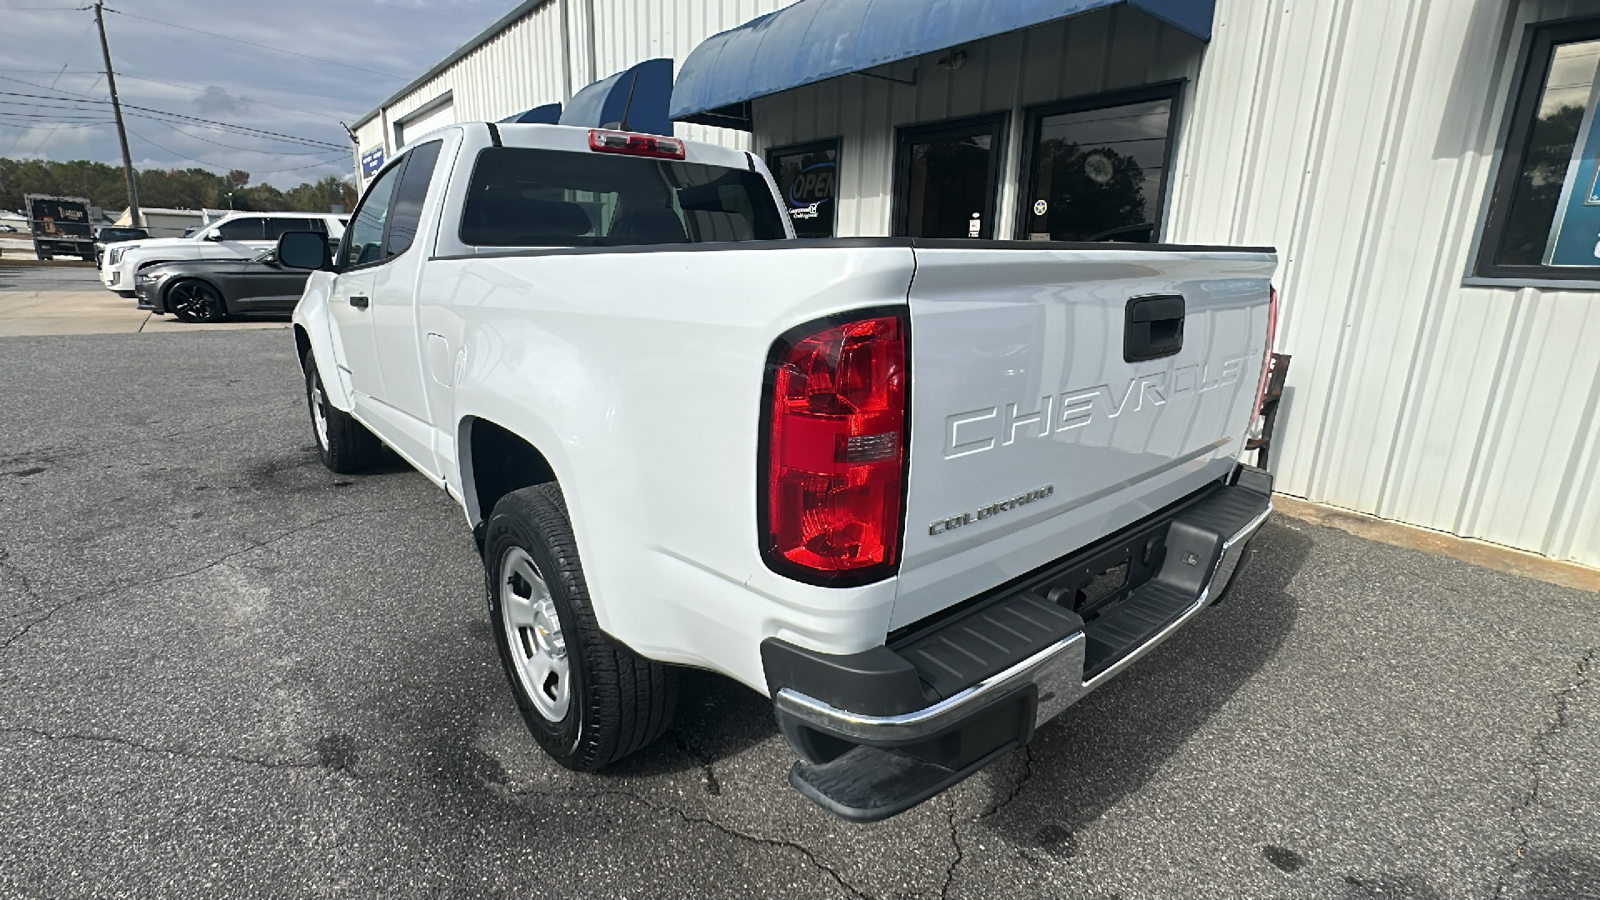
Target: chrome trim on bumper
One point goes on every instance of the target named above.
(1057, 670)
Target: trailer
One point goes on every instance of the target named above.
(61, 226)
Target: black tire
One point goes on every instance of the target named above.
(345, 445)
(619, 701)
(192, 300)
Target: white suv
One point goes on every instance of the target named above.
(237, 236)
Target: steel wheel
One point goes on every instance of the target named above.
(533, 631)
(194, 301)
(319, 412)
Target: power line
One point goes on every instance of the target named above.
(53, 87)
(87, 109)
(196, 137)
(225, 37)
(152, 112)
(185, 87)
(213, 165)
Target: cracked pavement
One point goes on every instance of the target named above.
(227, 671)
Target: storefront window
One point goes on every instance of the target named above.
(1099, 169)
(946, 178)
(808, 178)
(1544, 215)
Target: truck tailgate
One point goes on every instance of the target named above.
(1033, 434)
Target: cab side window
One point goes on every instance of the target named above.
(363, 240)
(409, 196)
(245, 229)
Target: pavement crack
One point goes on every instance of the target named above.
(1539, 757)
(162, 579)
(804, 851)
(178, 752)
(1017, 786)
(955, 862)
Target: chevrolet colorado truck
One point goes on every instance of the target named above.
(923, 494)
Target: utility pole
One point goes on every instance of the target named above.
(116, 113)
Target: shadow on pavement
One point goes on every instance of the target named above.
(1107, 746)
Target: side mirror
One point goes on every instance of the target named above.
(214, 236)
(304, 250)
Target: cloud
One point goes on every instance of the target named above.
(216, 100)
(163, 67)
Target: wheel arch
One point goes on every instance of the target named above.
(302, 345)
(494, 462)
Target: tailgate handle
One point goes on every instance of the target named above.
(1154, 328)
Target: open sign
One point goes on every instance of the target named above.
(813, 184)
(808, 179)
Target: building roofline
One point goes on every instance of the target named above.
(483, 37)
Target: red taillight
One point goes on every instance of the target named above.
(1266, 361)
(602, 141)
(835, 453)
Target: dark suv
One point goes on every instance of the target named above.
(115, 234)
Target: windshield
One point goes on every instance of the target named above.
(523, 197)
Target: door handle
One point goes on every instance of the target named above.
(1154, 328)
(359, 302)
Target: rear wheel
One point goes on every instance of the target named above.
(345, 445)
(195, 301)
(588, 699)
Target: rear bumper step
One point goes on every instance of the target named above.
(882, 731)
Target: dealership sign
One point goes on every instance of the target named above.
(371, 161)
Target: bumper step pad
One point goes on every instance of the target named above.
(870, 785)
(1010, 661)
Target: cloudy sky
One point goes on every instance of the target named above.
(344, 58)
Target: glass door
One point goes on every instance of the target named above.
(947, 179)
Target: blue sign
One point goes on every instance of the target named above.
(1575, 234)
(371, 161)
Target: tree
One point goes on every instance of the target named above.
(192, 188)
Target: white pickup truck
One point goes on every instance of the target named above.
(924, 494)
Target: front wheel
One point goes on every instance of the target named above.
(588, 699)
(195, 301)
(345, 445)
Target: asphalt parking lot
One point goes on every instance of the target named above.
(67, 298)
(227, 671)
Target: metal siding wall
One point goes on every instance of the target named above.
(1106, 50)
(1359, 137)
(628, 31)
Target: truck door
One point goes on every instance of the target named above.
(394, 312)
(350, 298)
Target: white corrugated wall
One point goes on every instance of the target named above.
(521, 67)
(1358, 137)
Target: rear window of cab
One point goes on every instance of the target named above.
(525, 197)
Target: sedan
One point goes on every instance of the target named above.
(209, 290)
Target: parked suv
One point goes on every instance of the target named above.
(238, 236)
(115, 234)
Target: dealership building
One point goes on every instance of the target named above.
(1427, 171)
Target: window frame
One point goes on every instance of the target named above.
(261, 229)
(1539, 41)
(836, 144)
(394, 200)
(765, 190)
(1033, 123)
(905, 135)
(342, 251)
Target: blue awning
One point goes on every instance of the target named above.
(548, 114)
(815, 40)
(601, 105)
